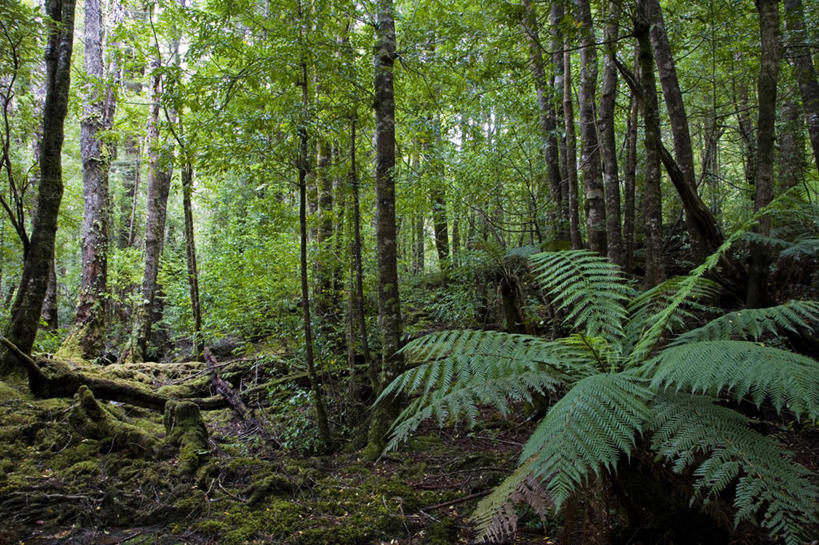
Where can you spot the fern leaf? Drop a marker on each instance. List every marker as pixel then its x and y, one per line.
pixel 586 431
pixel 768 482
pixel 742 370
pixel 753 323
pixel 589 286
pixel 495 515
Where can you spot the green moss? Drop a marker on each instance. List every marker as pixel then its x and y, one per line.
pixel 271 485
pixel 186 429
pixel 442 532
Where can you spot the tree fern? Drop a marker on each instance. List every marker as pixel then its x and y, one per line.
pixel 769 484
pixel 619 368
pixel 586 431
pixel 742 370
pixel 589 287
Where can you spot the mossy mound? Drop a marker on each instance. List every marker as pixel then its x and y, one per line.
pixel 186 429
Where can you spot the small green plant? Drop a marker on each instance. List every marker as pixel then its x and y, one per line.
pixel 292 415
pixel 623 380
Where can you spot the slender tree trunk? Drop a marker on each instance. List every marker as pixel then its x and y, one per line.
pixel 389 309
pixel 571 154
pixel 590 147
pixel 439 222
pixel 799 53
pixel 360 317
pixel 418 244
pixel 766 127
pixel 190 258
pixel 652 197
pixel 87 337
pixel 159 183
pixel 28 302
pixel 325 262
pixel 557 83
pixel 608 145
pixel 546 115
pixel 303 166
pixel 630 179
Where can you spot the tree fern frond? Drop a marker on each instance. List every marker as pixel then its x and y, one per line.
pixel 461 355
pixel 589 286
pixel 753 323
pixel 741 369
pixel 495 515
pixel 767 482
pixel 586 431
pixel 643 308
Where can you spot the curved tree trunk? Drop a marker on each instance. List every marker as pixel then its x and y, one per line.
pixel 702 227
pixel 28 302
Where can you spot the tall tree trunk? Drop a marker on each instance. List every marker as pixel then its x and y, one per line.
pixel 418 244
pixel 190 258
pixel 28 302
pixel 630 179
pixel 590 149
pixel 652 197
pixel 87 337
pixel 324 263
pixel 799 53
pixel 303 166
pixel 571 153
pixel 360 317
pixel 546 115
pixel 389 307
pixel 159 183
pixel 702 227
pixel 608 146
pixel 766 126
pixel 556 82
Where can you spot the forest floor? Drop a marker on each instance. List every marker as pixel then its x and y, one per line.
pixel 57 485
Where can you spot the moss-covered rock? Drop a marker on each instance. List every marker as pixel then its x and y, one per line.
pixel 186 429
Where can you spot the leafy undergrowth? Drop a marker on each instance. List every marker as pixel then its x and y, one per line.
pixel 58 486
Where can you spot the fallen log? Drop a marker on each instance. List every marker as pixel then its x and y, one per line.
pixel 50 378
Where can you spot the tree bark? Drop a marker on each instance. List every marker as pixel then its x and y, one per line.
pixel 791 140
pixel 799 53
pixel 590 148
pixel 652 196
pixel 571 154
pixel 28 302
pixel 608 146
pixel 766 127
pixel 389 308
pixel 546 115
pixel 87 337
pixel 49 312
